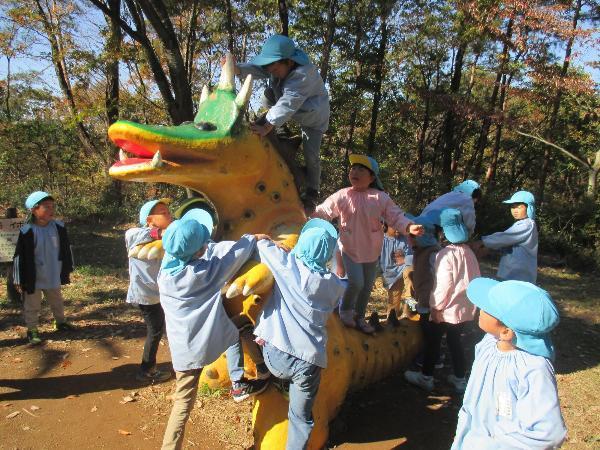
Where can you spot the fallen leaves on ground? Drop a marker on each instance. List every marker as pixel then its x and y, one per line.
pixel 13 414
pixel 124 432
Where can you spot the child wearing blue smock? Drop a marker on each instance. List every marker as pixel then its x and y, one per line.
pixel 511 401
pixel 296 92
pixel 292 326
pixel 42 263
pixel 190 281
pixel 519 243
pixel 395 263
pixel 154 218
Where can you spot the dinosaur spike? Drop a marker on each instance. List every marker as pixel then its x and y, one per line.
pixel 157 160
pixel 244 95
pixel 226 82
pixel 122 155
pixel 204 94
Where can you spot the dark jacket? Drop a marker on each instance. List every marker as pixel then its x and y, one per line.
pixel 24 259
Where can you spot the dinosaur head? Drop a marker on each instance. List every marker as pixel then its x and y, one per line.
pixel 241 173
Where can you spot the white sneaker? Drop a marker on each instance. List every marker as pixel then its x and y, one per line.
pixel 460 384
pixel 418 379
pixel 347 318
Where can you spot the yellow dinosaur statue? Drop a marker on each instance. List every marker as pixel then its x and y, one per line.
pixel 253 191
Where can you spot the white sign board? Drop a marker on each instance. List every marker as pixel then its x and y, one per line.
pixel 9 232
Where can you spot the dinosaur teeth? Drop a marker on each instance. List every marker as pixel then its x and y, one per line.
pixel 244 95
pixel 122 155
pixel 204 94
pixel 157 160
pixel 226 82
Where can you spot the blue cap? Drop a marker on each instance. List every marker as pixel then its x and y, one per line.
pixel 201 216
pixel 467 187
pixel 181 241
pixel 279 47
pixel 35 198
pixel 428 221
pixel 369 163
pixel 146 209
pixel 316 243
pixel 523 307
pixel 524 197
pixel 454 228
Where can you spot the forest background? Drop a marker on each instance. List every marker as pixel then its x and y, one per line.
pixel 437 91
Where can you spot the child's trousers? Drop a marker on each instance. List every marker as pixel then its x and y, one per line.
pixel 433 342
pixel 154 318
pixel 400 291
pixel 304 384
pixel 235 354
pixel 186 389
pixel 33 302
pixel 361 277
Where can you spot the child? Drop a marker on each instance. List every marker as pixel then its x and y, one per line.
pixel 511 400
pixel 296 91
pixel 395 263
pixel 455 266
pixel 292 326
pixel 519 244
pixel 190 281
pixel 42 263
pixel 360 209
pixel 154 218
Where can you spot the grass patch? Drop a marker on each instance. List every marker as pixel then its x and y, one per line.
pixel 204 390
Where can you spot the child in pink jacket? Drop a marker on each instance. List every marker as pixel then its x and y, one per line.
pixel 360 209
pixel 455 266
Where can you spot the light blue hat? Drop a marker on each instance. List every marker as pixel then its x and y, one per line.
pixel 316 244
pixel 523 307
pixel 524 197
pixel 181 241
pixel 279 47
pixel 146 209
pixel 428 221
pixel 201 216
pixel 467 187
pixel 36 197
pixel 454 228
pixel 369 163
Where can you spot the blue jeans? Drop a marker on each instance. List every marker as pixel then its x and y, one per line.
pixel 304 383
pixel 311 147
pixel 361 277
pixel 235 355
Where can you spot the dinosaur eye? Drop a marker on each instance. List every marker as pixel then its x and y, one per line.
pixel 275 196
pixel 261 187
pixel 206 126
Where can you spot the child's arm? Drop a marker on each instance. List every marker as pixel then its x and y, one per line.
pixel 328 210
pixel 517 233
pixel 295 93
pixel 395 217
pixel 228 257
pixel 443 285
pixel 18 263
pixel 537 413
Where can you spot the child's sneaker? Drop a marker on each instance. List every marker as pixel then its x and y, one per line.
pixel 418 379
pixel 283 386
pixel 262 372
pixel 460 384
pixel 412 303
pixel 243 389
pixel 152 376
pixel 33 337
pixel 347 318
pixel 63 326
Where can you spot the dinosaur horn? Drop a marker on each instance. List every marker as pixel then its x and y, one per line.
pixel 204 94
pixel 226 82
pixel 244 95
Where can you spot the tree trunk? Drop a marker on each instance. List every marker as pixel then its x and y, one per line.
pixel 332 9
pixel 379 70
pixel 7 97
pixel 283 16
pixel 229 26
pixel 550 132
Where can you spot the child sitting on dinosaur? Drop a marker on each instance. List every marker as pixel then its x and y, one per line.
pixel 292 326
pixel 296 92
pixel 193 272
pixel 154 218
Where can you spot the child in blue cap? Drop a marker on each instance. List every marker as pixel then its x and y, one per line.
pixel 296 92
pixel 511 399
pixel 193 272
pixel 449 308
pixel 292 326
pixel 154 218
pixel 42 263
pixel 519 243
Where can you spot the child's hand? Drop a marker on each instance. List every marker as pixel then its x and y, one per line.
pixel 261 237
pixel 261 130
pixel 282 246
pixel 416 230
pixel 436 316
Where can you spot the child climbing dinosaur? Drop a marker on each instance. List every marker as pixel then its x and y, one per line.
pixel 154 218
pixel 360 208
pixel 193 272
pixel 42 263
pixel 296 92
pixel 292 327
